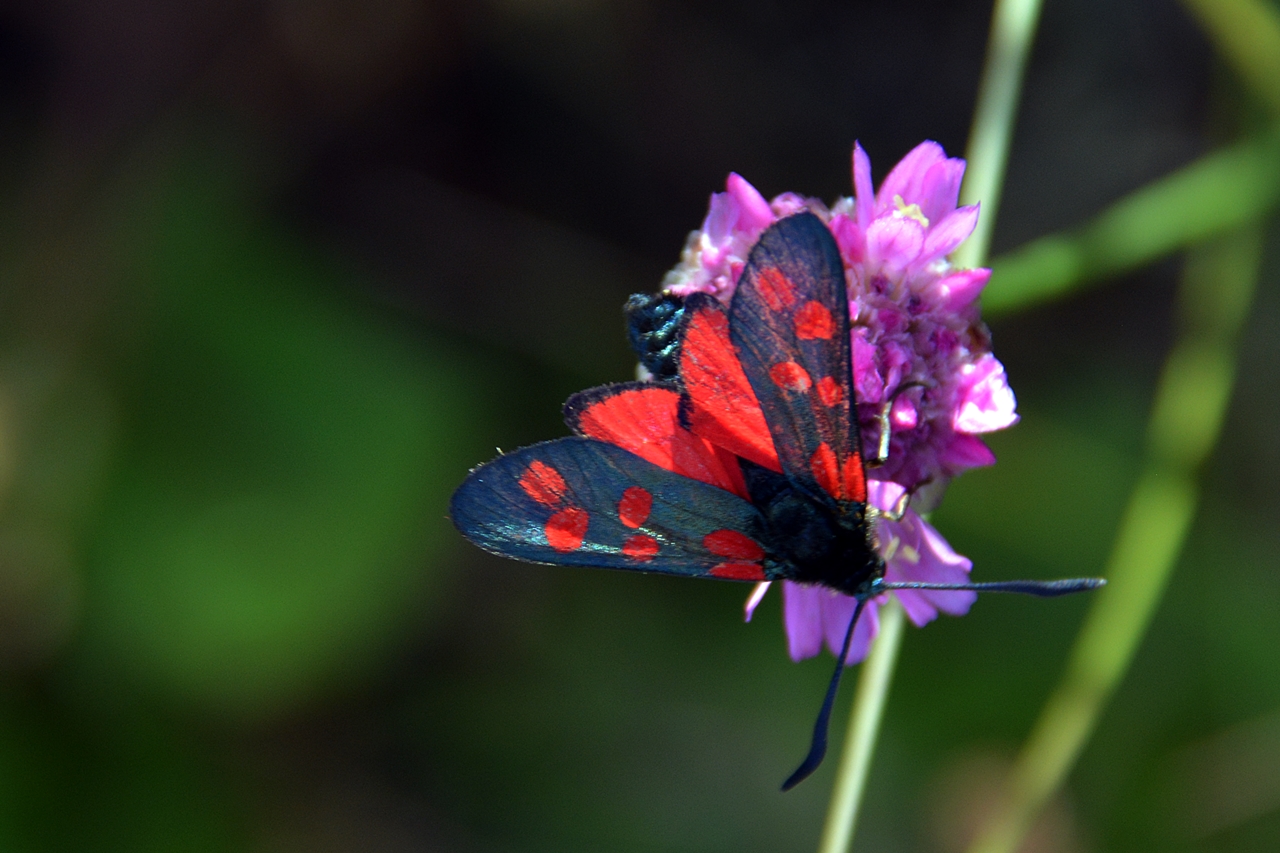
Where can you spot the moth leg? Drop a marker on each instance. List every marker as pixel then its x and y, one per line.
pixel 886 430
pixel 900 507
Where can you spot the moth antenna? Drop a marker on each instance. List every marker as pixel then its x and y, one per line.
pixel 818 749
pixel 1044 589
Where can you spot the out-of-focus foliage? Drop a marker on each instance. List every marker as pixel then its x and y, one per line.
pixel 279 468
pixel 1225 189
pixel 274 274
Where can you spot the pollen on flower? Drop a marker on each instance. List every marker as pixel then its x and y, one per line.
pixel 911 555
pixel 890 549
pixel 910 211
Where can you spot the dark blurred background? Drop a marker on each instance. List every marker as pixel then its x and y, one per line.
pixel 275 274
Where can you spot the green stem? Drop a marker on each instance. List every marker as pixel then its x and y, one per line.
pixel 1013 27
pixel 864 726
pixel 1221 191
pixel 1013 24
pixel 1191 401
pixel 1216 194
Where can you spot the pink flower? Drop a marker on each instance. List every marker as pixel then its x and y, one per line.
pixel 918 340
pixel 714 256
pixel 985 401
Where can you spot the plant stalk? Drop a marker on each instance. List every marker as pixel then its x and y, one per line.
pixel 864 726
pixel 1013 25
pixel 1190 405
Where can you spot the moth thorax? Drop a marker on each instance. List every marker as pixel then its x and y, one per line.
pixel 820 541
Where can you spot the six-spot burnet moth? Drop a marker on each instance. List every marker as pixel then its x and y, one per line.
pixel 741 460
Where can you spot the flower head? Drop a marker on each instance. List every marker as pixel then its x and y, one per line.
pixel 918 345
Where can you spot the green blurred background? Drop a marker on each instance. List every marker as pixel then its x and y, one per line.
pixel 275 273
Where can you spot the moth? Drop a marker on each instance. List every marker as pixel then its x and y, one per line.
pixel 740 461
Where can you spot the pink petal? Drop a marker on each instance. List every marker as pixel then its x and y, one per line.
pixel 907 179
pixel 753 600
pixel 946 566
pixel 940 189
pixel 893 242
pixel 721 219
pixel 892 320
pixel 837 610
pixel 986 401
pixel 788 204
pixel 849 238
pixel 927 497
pixel 904 414
pixel 864 195
pixel 964 452
pixel 884 494
pixel 958 290
pixel 895 361
pixel 949 232
pixel 802 619
pixel 921 554
pixel 813 614
pixel 754 213
pixel 866 375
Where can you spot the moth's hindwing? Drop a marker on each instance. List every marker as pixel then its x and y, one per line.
pixel 581 502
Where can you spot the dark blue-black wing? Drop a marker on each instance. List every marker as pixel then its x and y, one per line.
pixel 789 322
pixel 582 502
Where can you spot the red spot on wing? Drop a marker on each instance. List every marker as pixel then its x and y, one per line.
pixel 826 470
pixel 855 479
pixel 732 544
pixel 829 391
pixel 543 483
pixel 845 481
pixel 814 322
pixel 790 376
pixel 646 422
pixel 635 506
pixel 775 289
pixel 738 571
pixel 722 407
pixel 640 547
pixel 566 529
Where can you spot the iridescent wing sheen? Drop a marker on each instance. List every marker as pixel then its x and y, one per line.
pixel 581 502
